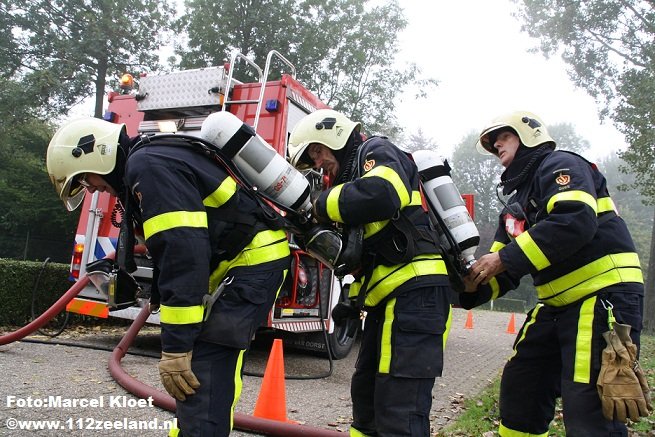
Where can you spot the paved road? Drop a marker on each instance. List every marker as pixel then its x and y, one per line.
pixel 32 372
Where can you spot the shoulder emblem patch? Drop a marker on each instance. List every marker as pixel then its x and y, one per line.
pixel 369 164
pixel 563 179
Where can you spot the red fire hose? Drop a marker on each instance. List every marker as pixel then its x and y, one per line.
pixel 163 400
pixel 44 318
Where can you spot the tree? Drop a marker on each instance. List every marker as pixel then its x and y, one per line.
pixel 478 174
pixel 67 49
pixel 609 46
pixel 344 50
pixel 630 204
pixel 216 28
pixel 417 141
pixel 28 204
pixel 567 138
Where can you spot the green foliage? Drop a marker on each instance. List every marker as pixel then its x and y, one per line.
pixel 478 174
pixel 253 27
pixel 416 141
pixel 610 48
pixel 28 204
pixel 636 113
pixel 67 49
pixel 17 279
pixel 630 204
pixel 567 138
pixel 480 415
pixel 344 50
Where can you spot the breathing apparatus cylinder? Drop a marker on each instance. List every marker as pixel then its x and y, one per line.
pixel 275 179
pixel 261 166
pixel 448 212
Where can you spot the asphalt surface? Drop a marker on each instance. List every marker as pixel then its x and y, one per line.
pixel 70 387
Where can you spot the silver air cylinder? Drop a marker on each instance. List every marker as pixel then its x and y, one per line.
pixel 444 200
pixel 259 163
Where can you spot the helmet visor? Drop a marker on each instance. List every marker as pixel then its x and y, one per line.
pixel 72 194
pixel 301 160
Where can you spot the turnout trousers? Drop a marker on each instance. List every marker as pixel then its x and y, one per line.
pixel 218 355
pixel 401 353
pixel 557 353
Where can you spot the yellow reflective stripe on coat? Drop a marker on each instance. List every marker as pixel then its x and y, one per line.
pixel 496 246
pixel 532 251
pixel 389 175
pixel 495 288
pixel 181 315
pixel 264 247
pixel 353 289
pixel 373 228
pixel 575 195
pixel 332 204
pixel 222 194
pixel 385 339
pixel 386 279
pixel 606 204
pixel 504 431
pixel 603 272
pixel 174 219
pixel 582 363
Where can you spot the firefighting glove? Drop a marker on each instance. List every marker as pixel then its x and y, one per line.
pixel 620 392
pixel 623 332
pixel 176 375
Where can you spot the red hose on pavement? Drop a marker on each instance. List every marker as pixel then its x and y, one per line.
pixel 56 308
pixel 44 318
pixel 163 400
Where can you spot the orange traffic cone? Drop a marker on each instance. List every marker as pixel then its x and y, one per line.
pixel 272 403
pixel 510 326
pixel 469 320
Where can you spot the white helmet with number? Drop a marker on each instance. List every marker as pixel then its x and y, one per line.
pixel 325 126
pixel 83 145
pixel 531 131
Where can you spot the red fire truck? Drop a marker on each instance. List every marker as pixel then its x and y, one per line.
pixel 179 102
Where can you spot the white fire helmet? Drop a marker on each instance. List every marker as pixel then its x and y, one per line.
pixel 83 145
pixel 531 131
pixel 325 126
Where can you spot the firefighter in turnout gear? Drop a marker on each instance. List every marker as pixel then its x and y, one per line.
pixel 218 263
pixel 559 225
pixel 401 287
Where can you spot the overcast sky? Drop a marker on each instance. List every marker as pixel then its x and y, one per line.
pixel 476 50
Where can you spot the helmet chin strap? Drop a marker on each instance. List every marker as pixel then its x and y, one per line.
pixel 115 177
pixel 346 157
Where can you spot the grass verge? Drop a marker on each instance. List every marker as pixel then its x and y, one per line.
pixel 481 414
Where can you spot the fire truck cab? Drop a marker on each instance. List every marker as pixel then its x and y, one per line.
pixel 178 102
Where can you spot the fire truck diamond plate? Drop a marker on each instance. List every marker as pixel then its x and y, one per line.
pixel 190 88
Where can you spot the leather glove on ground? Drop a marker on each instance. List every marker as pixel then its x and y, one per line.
pixel 623 332
pixel 618 386
pixel 176 375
